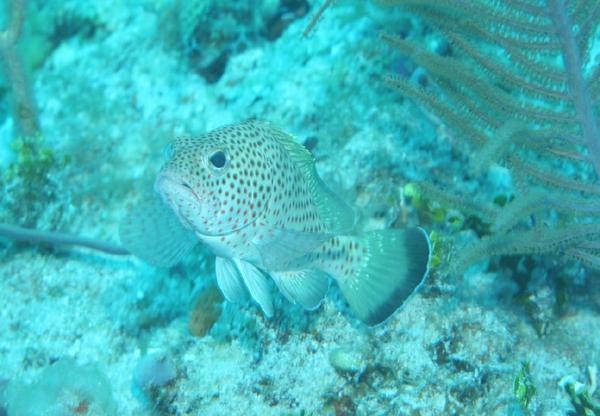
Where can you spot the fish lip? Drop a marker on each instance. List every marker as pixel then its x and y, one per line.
pixel 170 180
pixel 174 180
pixel 165 180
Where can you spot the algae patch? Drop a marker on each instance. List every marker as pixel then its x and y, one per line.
pixel 63 388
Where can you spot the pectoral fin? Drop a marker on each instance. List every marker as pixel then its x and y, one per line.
pixel 152 232
pixel 283 246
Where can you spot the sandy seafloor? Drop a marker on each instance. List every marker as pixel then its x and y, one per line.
pixel 112 101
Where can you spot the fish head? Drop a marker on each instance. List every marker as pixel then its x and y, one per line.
pixel 220 182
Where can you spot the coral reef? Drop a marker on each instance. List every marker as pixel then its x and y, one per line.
pixel 115 82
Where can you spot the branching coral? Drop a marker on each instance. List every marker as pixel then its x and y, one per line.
pixel 24 108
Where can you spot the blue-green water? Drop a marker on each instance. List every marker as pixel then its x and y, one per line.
pixel 493 157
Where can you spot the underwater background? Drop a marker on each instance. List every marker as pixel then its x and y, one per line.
pixel 476 120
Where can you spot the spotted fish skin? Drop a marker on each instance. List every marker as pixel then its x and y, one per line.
pixel 251 193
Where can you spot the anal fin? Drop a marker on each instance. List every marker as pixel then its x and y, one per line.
pixel 306 287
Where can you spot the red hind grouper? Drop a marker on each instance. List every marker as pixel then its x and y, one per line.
pixel 251 193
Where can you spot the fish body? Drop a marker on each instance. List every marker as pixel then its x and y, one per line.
pixel 251 193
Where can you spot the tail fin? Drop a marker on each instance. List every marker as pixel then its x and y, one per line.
pixel 394 265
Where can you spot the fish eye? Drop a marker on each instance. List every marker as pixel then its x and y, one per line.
pixel 218 159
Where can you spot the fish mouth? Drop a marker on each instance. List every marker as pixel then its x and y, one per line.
pixel 177 194
pixel 167 184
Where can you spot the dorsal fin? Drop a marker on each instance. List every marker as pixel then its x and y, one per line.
pixel 338 216
pixel 297 151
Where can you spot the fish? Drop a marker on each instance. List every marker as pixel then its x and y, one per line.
pixel 251 193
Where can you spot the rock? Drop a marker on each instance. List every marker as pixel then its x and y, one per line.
pixel 206 310
pixel 347 360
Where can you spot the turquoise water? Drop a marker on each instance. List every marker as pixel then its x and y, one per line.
pixel 487 145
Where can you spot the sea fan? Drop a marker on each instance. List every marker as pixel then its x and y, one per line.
pixel 520 89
